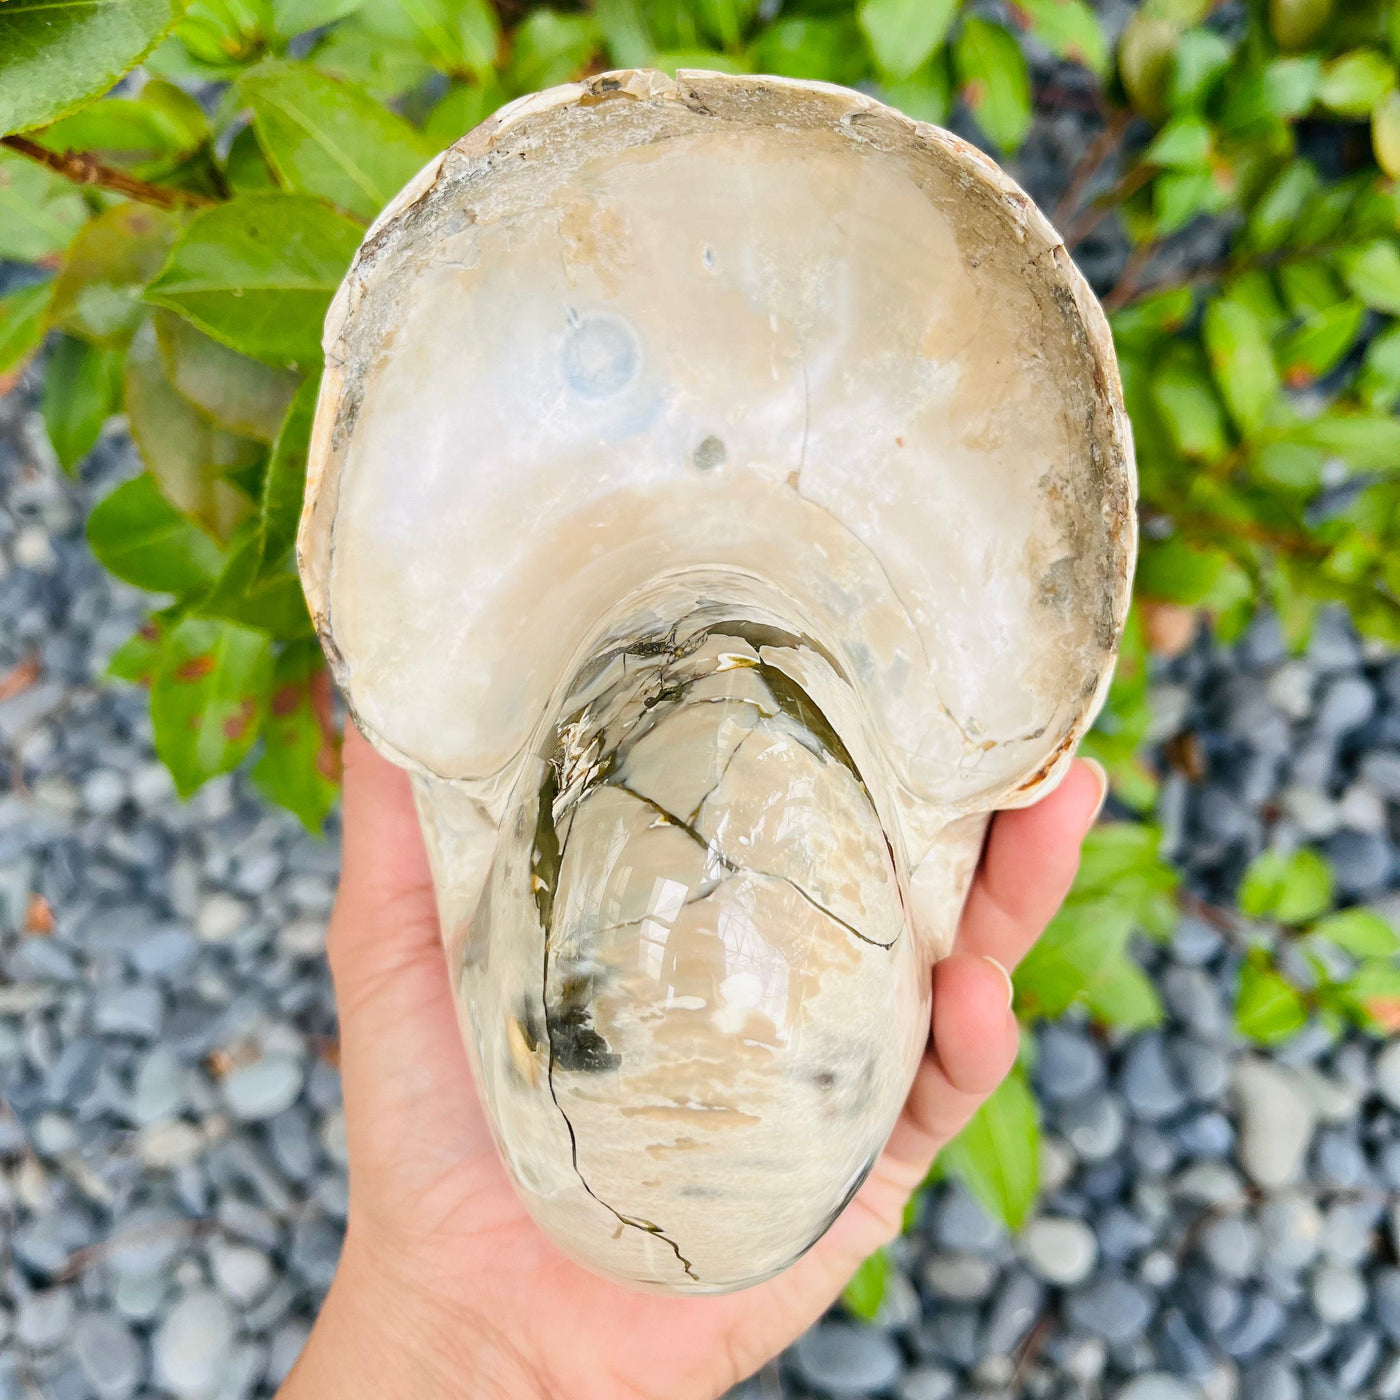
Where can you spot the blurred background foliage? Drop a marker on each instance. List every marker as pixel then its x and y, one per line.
pixel 182 234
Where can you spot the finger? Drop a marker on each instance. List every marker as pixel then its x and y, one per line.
pixel 1028 866
pixel 385 908
pixel 973 1045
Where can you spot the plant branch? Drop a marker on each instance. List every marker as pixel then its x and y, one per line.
pixel 1097 151
pixel 1130 184
pixel 84 168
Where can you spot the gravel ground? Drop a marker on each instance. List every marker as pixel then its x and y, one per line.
pixel 172 1160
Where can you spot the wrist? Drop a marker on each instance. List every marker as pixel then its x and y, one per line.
pixel 379 1337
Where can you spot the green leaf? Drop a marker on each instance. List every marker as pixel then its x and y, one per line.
pixel 1242 362
pixel 137 657
pixel 258 272
pixel 300 763
pixel 139 536
pixel 292 17
pixel 57 54
pixel 902 34
pixel 243 396
pixel 1068 28
pixel 1083 939
pixel 1269 1008
pixel 1289 85
pixel 79 396
pixel 269 600
pixel 1372 996
pixel 1296 23
pixel 1319 343
pixel 808 46
pixel 1309 286
pixel 997 1156
pixel 1178 196
pixel 1288 888
pixel 285 482
pixel 1280 206
pixel 326 138
pixel 222 34
pixel 994 81
pixel 866 1289
pixel 208 698
pixel 1365 441
pixel 97 293
pixel 1122 995
pixel 1185 397
pixel 185 453
pixel 156 129
pixel 246 169
pixel 1146 58
pixel 1194 575
pixel 1352 83
pixel 40 211
pixel 1373 273
pixel 927 96
pixel 1385 134
pixel 458 36
pixel 1200 57
pixel 1185 143
pixel 1379 384
pixel 624 29
pixel 1359 932
pixel 461 108
pixel 549 48
pixel 22 316
pixel 387 66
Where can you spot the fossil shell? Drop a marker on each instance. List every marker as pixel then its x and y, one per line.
pixel 721 501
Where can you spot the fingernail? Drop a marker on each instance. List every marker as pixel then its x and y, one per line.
pixel 1101 773
pixel 1005 977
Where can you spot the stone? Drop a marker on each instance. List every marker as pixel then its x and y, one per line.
pixel 136 1011
pixel 1061 1250
pixel 841 1360
pixel 1381 769
pixel 1181 1348
pixel 1290 689
pixel 957 1220
pixel 192 1344
pixel 1276 1123
pixel 1148 1080
pixel 1346 703
pixel 1355 1359
pixel 263 1088
pixel 1271 1379
pixel 1362 862
pixel 1092 1126
pixel 1387 1072
pixel 1385 1300
pixel 1206 1134
pixel 1290 1230
pixel 1204 1069
pixel 962 1277
pixel 1068 1064
pixel 286 1345
pixel 1339 1294
pixel 1111 1307
pixel 1231 1245
pixel 220 917
pixel 1259 1323
pixel 45 1318
pixel 927 1383
pixel 1193 997
pixel 1339 1161
pixel 244 1273
pixel 1013 1312
pixel 1157 1385
pixel 109 1354
pixel 159 1090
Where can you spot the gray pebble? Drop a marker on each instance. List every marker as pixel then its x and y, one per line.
pixel 109 1354
pixel 1093 1126
pixel 1231 1245
pixel 1061 1250
pixel 1271 1379
pixel 1111 1307
pixel 193 1342
pixel 1385 1302
pixel 1346 703
pixel 1339 1294
pixel 961 1277
pixel 957 1220
pixel 843 1360
pixel 264 1088
pixel 1157 1385
pixel 45 1318
pixel 1148 1080
pixel 927 1383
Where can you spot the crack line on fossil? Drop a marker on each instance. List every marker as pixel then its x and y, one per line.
pixel 733 866
pixel 645 1226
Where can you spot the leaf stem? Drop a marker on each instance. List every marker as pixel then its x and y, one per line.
pixel 1097 151
pixel 84 168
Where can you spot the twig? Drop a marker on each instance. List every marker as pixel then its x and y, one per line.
pixel 1097 151
pixel 1122 290
pixel 84 168
pixel 1129 185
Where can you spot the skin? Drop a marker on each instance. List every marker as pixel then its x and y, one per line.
pixel 447 1289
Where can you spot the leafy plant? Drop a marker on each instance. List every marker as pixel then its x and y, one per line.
pixel 187 229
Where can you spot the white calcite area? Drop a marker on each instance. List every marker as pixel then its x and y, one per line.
pixel 721 501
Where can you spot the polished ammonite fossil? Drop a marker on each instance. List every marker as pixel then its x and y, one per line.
pixel 720 502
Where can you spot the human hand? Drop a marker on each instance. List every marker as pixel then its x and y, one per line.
pixel 447 1288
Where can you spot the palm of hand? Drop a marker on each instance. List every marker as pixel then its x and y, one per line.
pixel 441 1254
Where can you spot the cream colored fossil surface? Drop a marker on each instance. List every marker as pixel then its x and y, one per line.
pixel 721 502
